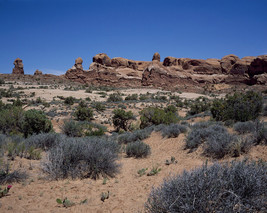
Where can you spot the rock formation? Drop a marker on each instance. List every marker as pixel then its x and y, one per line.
pixel 18 69
pixel 172 72
pixel 156 57
pixel 38 72
pixel 78 63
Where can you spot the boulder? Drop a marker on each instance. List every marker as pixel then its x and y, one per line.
pixel 258 66
pixel 209 66
pixel 38 72
pixel 103 59
pixel 156 57
pixel 18 69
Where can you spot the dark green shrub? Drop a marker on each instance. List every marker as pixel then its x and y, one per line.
pixel 84 113
pixel 233 187
pixel 35 122
pixel 72 128
pixel 114 97
pixel 82 158
pixel 121 119
pixel 82 128
pixel 11 120
pixel 133 97
pixel 137 149
pixel 98 106
pixel 201 104
pixel 69 100
pixel 239 107
pixel 155 116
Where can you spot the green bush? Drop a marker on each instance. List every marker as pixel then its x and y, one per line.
pixel 69 100
pixel 11 120
pixel 137 149
pixel 238 107
pixel 83 113
pixel 155 116
pixel 35 122
pixel 201 104
pixel 98 106
pixel 82 128
pixel 133 97
pixel 121 119
pixel 114 97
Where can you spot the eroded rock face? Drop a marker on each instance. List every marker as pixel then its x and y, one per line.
pixel 78 63
pixel 38 72
pixel 172 73
pixel 18 69
pixel 258 66
pixel 103 59
pixel 156 57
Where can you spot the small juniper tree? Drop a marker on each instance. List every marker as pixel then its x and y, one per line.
pixel 121 119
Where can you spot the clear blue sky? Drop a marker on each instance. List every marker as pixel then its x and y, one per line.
pixel 49 34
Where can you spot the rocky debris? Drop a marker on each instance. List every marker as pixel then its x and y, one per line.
pixel 103 59
pixel 78 63
pixel 258 66
pixel 38 72
pixel 156 57
pixel 18 69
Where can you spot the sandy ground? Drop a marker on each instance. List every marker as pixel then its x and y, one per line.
pixel 128 191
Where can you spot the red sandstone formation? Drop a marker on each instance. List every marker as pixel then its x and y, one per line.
pixel 18 69
pixel 171 73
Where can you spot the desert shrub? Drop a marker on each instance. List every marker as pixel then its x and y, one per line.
pixel 71 128
pixel 83 113
pixel 137 149
pixel 201 104
pixel 7 176
pixel 2 81
pixel 44 141
pixel 121 119
pixel 133 97
pixel 129 137
pixel 173 130
pixel 239 107
pixel 81 158
pixel 114 97
pixel 35 122
pixel 98 106
pixel 244 127
pixel 170 108
pixel 155 116
pixel 11 120
pixel 82 128
pixel 69 100
pixel 143 97
pixel 233 187
pixel 200 132
pixel 218 143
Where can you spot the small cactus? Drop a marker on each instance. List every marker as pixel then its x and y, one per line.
pixel 104 196
pixel 5 191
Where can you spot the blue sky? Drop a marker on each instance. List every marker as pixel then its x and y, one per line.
pixel 49 34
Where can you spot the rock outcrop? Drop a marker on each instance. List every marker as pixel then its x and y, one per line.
pixel 18 69
pixel 38 72
pixel 172 72
pixel 79 63
pixel 258 66
pixel 156 57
